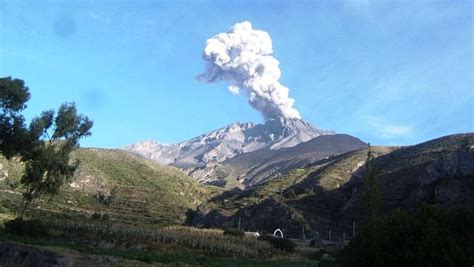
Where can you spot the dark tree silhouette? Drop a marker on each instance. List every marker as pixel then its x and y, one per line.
pixel 372 199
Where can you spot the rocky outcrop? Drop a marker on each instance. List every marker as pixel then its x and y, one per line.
pixel 435 186
pixel 439 171
pixel 22 255
pixel 3 173
pixel 13 254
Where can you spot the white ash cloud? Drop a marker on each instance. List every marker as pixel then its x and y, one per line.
pixel 243 57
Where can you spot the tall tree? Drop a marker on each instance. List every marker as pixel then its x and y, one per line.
pixel 45 146
pixel 372 197
pixel 48 163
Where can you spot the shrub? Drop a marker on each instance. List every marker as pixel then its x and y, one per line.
pixel 31 228
pixel 105 199
pixel 234 232
pixel 284 244
pixel 9 204
pixel 105 217
pixel 99 216
pixel 96 216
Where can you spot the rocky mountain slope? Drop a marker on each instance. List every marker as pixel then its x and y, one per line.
pixel 327 195
pixel 113 182
pixel 258 166
pixel 207 150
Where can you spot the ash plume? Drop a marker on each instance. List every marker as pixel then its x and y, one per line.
pixel 243 57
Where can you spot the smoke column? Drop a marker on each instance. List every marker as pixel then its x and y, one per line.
pixel 243 57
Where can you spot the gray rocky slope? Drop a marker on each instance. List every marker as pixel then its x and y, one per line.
pixel 254 168
pixel 207 150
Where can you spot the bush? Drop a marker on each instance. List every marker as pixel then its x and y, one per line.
pixel 433 236
pixel 105 217
pixel 96 216
pixel 4 210
pixel 31 228
pixel 100 216
pixel 105 199
pixel 9 205
pixel 234 232
pixel 280 243
pixel 327 261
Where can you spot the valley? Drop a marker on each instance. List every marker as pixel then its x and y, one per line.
pixel 311 191
pixel 236 133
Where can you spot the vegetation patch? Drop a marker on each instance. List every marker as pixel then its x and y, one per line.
pixel 234 232
pixel 433 236
pixel 280 243
pixel 21 227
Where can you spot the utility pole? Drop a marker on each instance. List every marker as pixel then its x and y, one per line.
pixel 240 220
pixel 353 229
pixel 303 235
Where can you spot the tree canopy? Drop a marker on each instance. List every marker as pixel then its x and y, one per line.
pixel 431 236
pixel 45 145
pixel 13 133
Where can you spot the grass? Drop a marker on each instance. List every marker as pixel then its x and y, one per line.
pixel 176 258
pixel 168 245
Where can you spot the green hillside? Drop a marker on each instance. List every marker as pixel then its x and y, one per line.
pixel 122 210
pixel 115 185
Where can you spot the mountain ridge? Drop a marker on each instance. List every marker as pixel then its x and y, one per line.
pixel 261 165
pixel 227 142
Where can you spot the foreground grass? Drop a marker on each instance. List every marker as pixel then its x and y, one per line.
pixel 153 257
pixel 153 244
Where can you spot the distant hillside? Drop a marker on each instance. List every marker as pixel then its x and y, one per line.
pixel 113 182
pixel 438 171
pixel 327 195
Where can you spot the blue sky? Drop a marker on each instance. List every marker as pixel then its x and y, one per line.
pixel 388 72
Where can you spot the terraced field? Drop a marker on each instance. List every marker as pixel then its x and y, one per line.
pixel 115 185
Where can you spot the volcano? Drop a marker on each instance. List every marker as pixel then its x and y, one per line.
pixel 228 142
